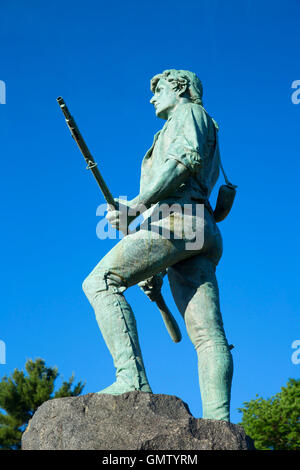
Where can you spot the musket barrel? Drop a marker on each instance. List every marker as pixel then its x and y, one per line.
pixel 91 164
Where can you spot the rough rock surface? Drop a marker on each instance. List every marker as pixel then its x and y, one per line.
pixel 132 421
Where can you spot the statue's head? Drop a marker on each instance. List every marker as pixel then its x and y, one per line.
pixel 174 86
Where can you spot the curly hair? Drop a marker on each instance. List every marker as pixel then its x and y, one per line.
pixel 179 80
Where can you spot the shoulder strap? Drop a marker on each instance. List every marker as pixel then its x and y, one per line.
pixel 221 166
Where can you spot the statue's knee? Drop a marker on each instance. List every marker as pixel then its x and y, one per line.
pixel 204 327
pixel 88 288
pixel 102 280
pixel 194 327
pixel 85 285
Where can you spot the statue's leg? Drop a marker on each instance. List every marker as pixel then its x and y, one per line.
pixel 134 258
pixel 118 327
pixel 195 291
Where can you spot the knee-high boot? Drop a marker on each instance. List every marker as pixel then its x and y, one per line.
pixel 215 368
pixel 215 365
pixel 118 327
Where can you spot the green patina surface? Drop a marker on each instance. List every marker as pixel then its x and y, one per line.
pixel 181 167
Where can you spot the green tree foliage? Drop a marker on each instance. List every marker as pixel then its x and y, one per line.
pixel 274 424
pixel 21 395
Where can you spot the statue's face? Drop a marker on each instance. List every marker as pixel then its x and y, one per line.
pixel 164 99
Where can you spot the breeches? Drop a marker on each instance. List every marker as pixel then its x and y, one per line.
pixel 191 275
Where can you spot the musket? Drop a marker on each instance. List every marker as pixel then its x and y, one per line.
pixel 167 316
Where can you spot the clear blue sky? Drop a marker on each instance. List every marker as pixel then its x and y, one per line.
pixel 100 56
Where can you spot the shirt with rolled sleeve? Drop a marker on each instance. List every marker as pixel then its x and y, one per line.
pixel 189 137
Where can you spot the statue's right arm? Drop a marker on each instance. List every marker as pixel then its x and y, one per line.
pixel 171 176
pixel 183 159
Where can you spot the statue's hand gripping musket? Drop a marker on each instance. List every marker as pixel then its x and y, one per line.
pixel 167 316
